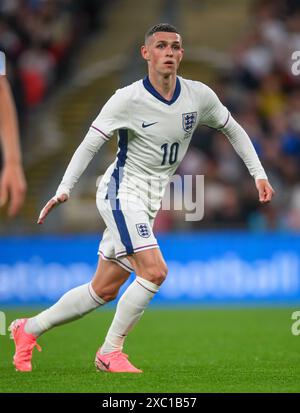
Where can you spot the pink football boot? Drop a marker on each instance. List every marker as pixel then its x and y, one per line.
pixel 24 344
pixel 115 362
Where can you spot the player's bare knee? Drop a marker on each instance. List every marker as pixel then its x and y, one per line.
pixel 156 274
pixel 164 272
pixel 107 294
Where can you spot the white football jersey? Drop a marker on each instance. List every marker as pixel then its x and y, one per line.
pixel 154 135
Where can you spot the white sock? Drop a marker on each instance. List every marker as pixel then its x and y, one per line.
pixel 71 306
pixel 129 310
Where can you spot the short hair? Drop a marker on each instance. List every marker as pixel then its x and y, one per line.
pixel 161 27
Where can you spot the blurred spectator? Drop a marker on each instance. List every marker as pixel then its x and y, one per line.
pixel 38 38
pixel 36 66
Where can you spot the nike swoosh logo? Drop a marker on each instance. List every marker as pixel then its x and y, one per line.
pixel 104 364
pixel 146 125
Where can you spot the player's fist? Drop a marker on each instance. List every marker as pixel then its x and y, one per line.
pixel 56 200
pixel 265 190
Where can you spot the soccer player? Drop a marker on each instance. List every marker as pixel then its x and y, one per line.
pixel 155 118
pixel 12 180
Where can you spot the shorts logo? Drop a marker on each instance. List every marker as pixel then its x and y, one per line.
pixel 143 230
pixel 189 121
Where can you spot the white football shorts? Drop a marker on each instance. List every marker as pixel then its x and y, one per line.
pixel 129 230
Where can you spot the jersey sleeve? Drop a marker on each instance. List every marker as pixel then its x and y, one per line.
pixel 113 115
pixel 80 160
pixel 243 146
pixel 213 113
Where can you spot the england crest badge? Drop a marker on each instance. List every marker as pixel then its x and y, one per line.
pixel 143 230
pixel 189 121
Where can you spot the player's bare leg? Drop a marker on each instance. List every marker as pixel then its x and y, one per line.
pixel 108 279
pixel 151 271
pixel 72 305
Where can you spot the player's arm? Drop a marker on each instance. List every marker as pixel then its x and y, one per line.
pixel 79 162
pixel 113 116
pixel 242 144
pixel 12 179
pixel 218 117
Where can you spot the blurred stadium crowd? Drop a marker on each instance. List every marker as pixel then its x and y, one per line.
pixel 39 38
pixel 263 95
pixel 260 90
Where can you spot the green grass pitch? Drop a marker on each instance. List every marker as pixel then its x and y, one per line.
pixel 180 350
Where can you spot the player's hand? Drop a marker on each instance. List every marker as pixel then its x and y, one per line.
pixel 265 190
pixel 12 188
pixel 56 200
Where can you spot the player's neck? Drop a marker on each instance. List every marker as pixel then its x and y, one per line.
pixel 165 86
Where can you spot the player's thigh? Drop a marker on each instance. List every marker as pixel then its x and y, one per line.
pixel 108 279
pixel 149 264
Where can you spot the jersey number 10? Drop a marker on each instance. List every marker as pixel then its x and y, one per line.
pixel 172 153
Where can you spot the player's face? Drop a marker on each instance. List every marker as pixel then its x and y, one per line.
pixel 164 52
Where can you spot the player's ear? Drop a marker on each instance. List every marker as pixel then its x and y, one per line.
pixel 182 53
pixel 145 53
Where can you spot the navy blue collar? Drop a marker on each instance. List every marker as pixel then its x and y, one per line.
pixel 147 84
